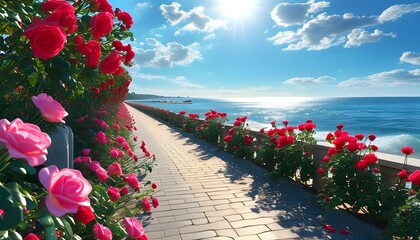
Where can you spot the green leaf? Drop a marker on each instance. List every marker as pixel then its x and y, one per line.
pixel 32 79
pixel 47 220
pixel 101 191
pixel 50 233
pixel 16 194
pixel 14 235
pixel 68 229
pixel 13 214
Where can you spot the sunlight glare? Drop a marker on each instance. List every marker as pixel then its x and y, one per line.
pixel 236 8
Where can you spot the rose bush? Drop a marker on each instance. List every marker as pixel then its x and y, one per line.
pixel 60 55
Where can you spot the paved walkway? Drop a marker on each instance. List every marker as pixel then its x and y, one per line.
pixel 205 193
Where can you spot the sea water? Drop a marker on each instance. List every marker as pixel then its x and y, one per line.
pixel 394 120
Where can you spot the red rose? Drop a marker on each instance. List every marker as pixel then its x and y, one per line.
pixel 102 5
pixel 340 126
pixel 374 147
pixel 407 150
pixel 352 147
pixel 128 57
pixel 47 39
pixel 361 165
pixel 53 5
pixel 101 24
pixel 372 137
pixel 325 159
pixel 117 44
pixel 402 174
pixel 285 122
pixel 329 137
pixel 376 170
pixel 92 51
pixel 111 64
pixel 84 214
pixel 155 202
pixel 126 18
pixel 320 171
pixel 370 158
pixel 415 177
pixel 332 151
pixel 65 18
pixel 359 136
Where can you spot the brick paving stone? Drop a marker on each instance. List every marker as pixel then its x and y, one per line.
pixel 215 219
pixel 226 233
pixel 247 223
pixel 185 205
pixel 200 209
pixel 279 234
pixel 252 230
pixel 200 221
pixel 205 193
pixel 198 235
pixel 250 237
pixel 213 202
pixel 190 216
pixel 222 207
pixel 235 217
pixel 166 219
pixel 171 232
pixel 202 227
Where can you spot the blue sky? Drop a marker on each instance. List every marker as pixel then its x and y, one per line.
pixel 251 48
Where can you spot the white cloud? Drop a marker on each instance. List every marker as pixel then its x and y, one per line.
pixel 358 37
pixel 168 55
pixel 322 32
pixel 143 5
pixel 325 31
pixel 396 77
pixel 210 36
pixel 410 57
pixel 287 14
pixel 195 19
pixel 304 81
pixel 172 13
pixel 181 81
pixel 396 11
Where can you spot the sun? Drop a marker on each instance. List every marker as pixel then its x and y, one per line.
pixel 236 9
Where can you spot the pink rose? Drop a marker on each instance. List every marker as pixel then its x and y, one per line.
pixel 132 180
pixel 94 165
pixel 25 140
pixel 115 169
pixel 67 189
pixel 101 232
pixel 146 205
pixel 102 174
pixel 133 227
pixel 86 151
pixel 51 110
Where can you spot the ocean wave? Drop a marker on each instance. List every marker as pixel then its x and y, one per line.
pixel 389 144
